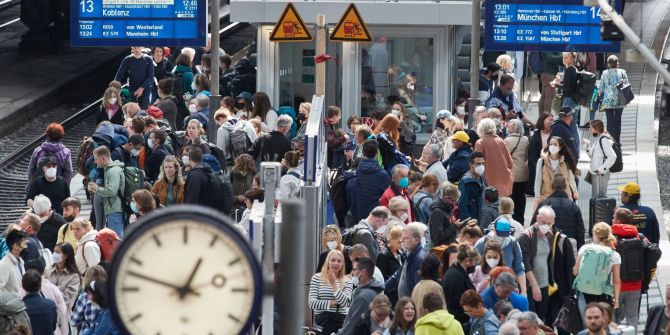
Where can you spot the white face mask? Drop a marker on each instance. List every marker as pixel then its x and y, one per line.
pixel 492 262
pixel 191 109
pixel 403 217
pixel 502 240
pixel 134 152
pixel 355 281
pixel 193 86
pixel 331 245
pixel 111 101
pixel 395 112
pixel 184 159
pixel 544 228
pixel 479 169
pixel 460 110
pixel 56 257
pixel 554 149
pixel 150 143
pixel 50 172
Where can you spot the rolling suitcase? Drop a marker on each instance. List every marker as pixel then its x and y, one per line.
pixel 601 209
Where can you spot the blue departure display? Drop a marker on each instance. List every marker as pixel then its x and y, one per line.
pixel 537 25
pixel 138 23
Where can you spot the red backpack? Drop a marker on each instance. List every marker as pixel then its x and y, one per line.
pixel 624 230
pixel 107 240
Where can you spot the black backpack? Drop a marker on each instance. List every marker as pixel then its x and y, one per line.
pixel 221 193
pixel 651 253
pixel 218 154
pixel 349 235
pixel 632 258
pixel 338 192
pixel 618 163
pixel 178 92
pixel 586 83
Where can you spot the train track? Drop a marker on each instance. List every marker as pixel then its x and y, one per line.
pixel 15 156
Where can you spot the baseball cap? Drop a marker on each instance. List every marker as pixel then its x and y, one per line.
pixel 461 136
pixel 630 188
pixel 445 114
pixel 492 67
pixel 245 95
pixel 46 160
pixel 565 112
pixel 502 228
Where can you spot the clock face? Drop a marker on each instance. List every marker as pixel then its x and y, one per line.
pixel 184 276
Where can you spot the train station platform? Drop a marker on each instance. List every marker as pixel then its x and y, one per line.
pixel 638 137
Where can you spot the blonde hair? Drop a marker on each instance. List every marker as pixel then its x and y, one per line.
pixel 330 229
pixel 395 232
pixel 324 269
pixel 397 203
pixel 84 223
pixel 198 126
pixel 381 301
pixel 307 106
pixel 94 273
pixel 505 61
pixel 506 205
pixel 179 179
pixel 603 232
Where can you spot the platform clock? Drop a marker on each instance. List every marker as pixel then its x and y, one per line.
pixel 185 270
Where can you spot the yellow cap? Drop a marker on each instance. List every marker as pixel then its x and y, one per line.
pixel 461 136
pixel 630 188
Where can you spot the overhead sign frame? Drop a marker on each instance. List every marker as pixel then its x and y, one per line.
pixel 545 25
pixel 350 26
pixel 290 27
pixel 97 23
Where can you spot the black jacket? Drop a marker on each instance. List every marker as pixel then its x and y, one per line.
pixel 42 313
pixel 654 318
pixel 561 129
pixel 198 185
pixel 48 233
pixel 154 162
pixel 271 147
pixel 560 271
pixel 442 230
pixel 568 216
pixel 456 282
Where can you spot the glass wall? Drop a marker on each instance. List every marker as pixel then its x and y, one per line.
pixel 399 68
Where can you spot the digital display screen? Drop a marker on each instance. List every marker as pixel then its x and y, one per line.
pixel 138 22
pixel 536 25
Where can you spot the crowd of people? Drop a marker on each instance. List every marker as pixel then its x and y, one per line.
pixel 431 245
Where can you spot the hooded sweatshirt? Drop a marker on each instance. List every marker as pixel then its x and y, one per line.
pixel 360 304
pixel 437 323
pixel 115 182
pixel 223 134
pixel 442 230
pixel 60 152
pixel 12 304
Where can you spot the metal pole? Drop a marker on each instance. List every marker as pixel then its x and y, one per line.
pixel 270 174
pixel 635 40
pixel 291 288
pixel 215 98
pixel 473 101
pixel 320 50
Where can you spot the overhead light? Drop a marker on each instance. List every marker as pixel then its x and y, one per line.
pixel 590 3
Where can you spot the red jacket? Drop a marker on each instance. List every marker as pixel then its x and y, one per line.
pixel 392 191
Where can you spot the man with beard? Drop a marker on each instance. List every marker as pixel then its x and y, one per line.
pixel 594 319
pixel 71 208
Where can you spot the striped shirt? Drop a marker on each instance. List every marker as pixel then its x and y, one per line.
pixel 321 293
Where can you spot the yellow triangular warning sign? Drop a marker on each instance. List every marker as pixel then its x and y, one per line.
pixel 351 27
pixel 290 27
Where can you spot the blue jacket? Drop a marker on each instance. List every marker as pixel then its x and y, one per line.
pixel 512 254
pixel 422 201
pixel 458 163
pixel 103 324
pixel 472 196
pixel 645 220
pixel 364 191
pixel 517 300
pixel 140 72
pixel 489 323
pixel 42 314
pixel 412 267
pixel 561 129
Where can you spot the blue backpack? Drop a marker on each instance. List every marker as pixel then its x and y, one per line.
pixel 288 110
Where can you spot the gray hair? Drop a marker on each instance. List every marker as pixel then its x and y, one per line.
pixel 284 121
pixel 486 127
pixel 41 204
pixel 516 126
pixel 546 210
pixel 202 101
pixel 436 151
pixel 396 169
pixel 380 212
pixel 505 279
pixel 509 328
pixel 412 229
pixel 480 110
pixel 530 317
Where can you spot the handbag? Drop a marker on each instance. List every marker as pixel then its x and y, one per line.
pixel 553 287
pixel 589 177
pixel 568 317
pixel 624 92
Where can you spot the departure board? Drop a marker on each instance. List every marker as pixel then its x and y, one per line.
pixel 539 25
pixel 138 22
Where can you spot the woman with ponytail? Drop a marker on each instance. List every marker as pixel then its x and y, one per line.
pixel 597 268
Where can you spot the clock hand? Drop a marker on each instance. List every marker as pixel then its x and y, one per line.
pixel 156 281
pixel 187 287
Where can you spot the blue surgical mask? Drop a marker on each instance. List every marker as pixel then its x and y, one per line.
pixel 403 182
pixel 133 207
